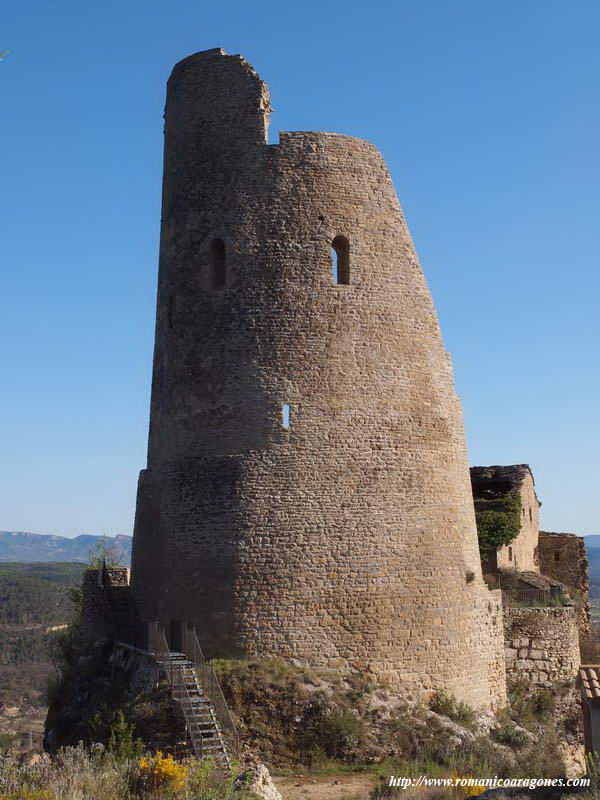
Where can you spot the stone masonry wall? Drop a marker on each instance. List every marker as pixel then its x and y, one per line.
pixel 563 557
pixel 96 617
pixel 347 539
pixel 542 644
pixel 522 553
pixel 100 616
pixel 491 616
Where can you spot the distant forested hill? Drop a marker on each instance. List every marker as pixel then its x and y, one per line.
pixel 20 546
pixel 33 594
pixel 593 554
pixel 34 599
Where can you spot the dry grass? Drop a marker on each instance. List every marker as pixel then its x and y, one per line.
pixel 78 773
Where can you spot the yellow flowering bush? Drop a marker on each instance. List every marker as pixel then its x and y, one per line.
pixel 162 772
pixel 29 794
pixel 472 791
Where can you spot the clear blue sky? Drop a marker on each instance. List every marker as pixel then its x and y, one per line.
pixel 488 115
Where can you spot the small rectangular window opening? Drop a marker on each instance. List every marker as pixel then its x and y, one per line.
pixel 557 555
pixel 530 516
pixel 510 553
pixel 285 415
pixel 340 260
pixel 334 265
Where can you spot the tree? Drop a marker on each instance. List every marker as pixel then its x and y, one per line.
pixel 105 551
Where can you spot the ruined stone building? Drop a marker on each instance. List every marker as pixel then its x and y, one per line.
pixel 541 559
pixel 545 581
pixel 307 491
pixel 491 483
pixel 563 557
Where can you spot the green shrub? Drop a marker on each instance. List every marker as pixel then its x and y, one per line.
pixel 499 524
pixel 509 734
pixel 542 758
pixel 543 702
pixel 448 706
pixel 529 705
pixel 8 741
pixel 333 735
pixel 360 686
pixel 121 743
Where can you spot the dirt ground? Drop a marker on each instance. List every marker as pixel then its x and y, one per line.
pixel 355 786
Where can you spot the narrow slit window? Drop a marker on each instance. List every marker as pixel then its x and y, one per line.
pixel 217 264
pixel 557 555
pixel 530 516
pixel 285 415
pixel 510 553
pixel 340 261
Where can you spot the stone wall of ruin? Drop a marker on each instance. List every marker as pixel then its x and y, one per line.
pixel 96 616
pixel 563 557
pixel 522 553
pixel 542 644
pixel 348 539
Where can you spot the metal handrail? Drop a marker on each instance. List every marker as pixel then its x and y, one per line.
pixel 158 645
pixel 179 691
pixel 211 686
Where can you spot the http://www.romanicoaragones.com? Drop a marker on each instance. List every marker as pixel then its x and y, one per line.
pixel 401 782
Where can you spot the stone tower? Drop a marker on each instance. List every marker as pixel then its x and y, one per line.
pixel 307 492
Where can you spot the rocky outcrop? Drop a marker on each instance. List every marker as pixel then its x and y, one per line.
pixel 99 682
pixel 257 779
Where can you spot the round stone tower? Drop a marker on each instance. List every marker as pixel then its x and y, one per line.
pixel 307 493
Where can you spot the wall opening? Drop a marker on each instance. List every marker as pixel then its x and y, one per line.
pixel 285 415
pixel 510 553
pixel 530 516
pixel 217 264
pixel 340 260
pixel 557 555
pixel 176 634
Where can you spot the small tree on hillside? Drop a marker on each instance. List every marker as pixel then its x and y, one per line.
pixel 106 551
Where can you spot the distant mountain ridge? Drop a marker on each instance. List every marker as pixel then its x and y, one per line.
pixel 32 547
